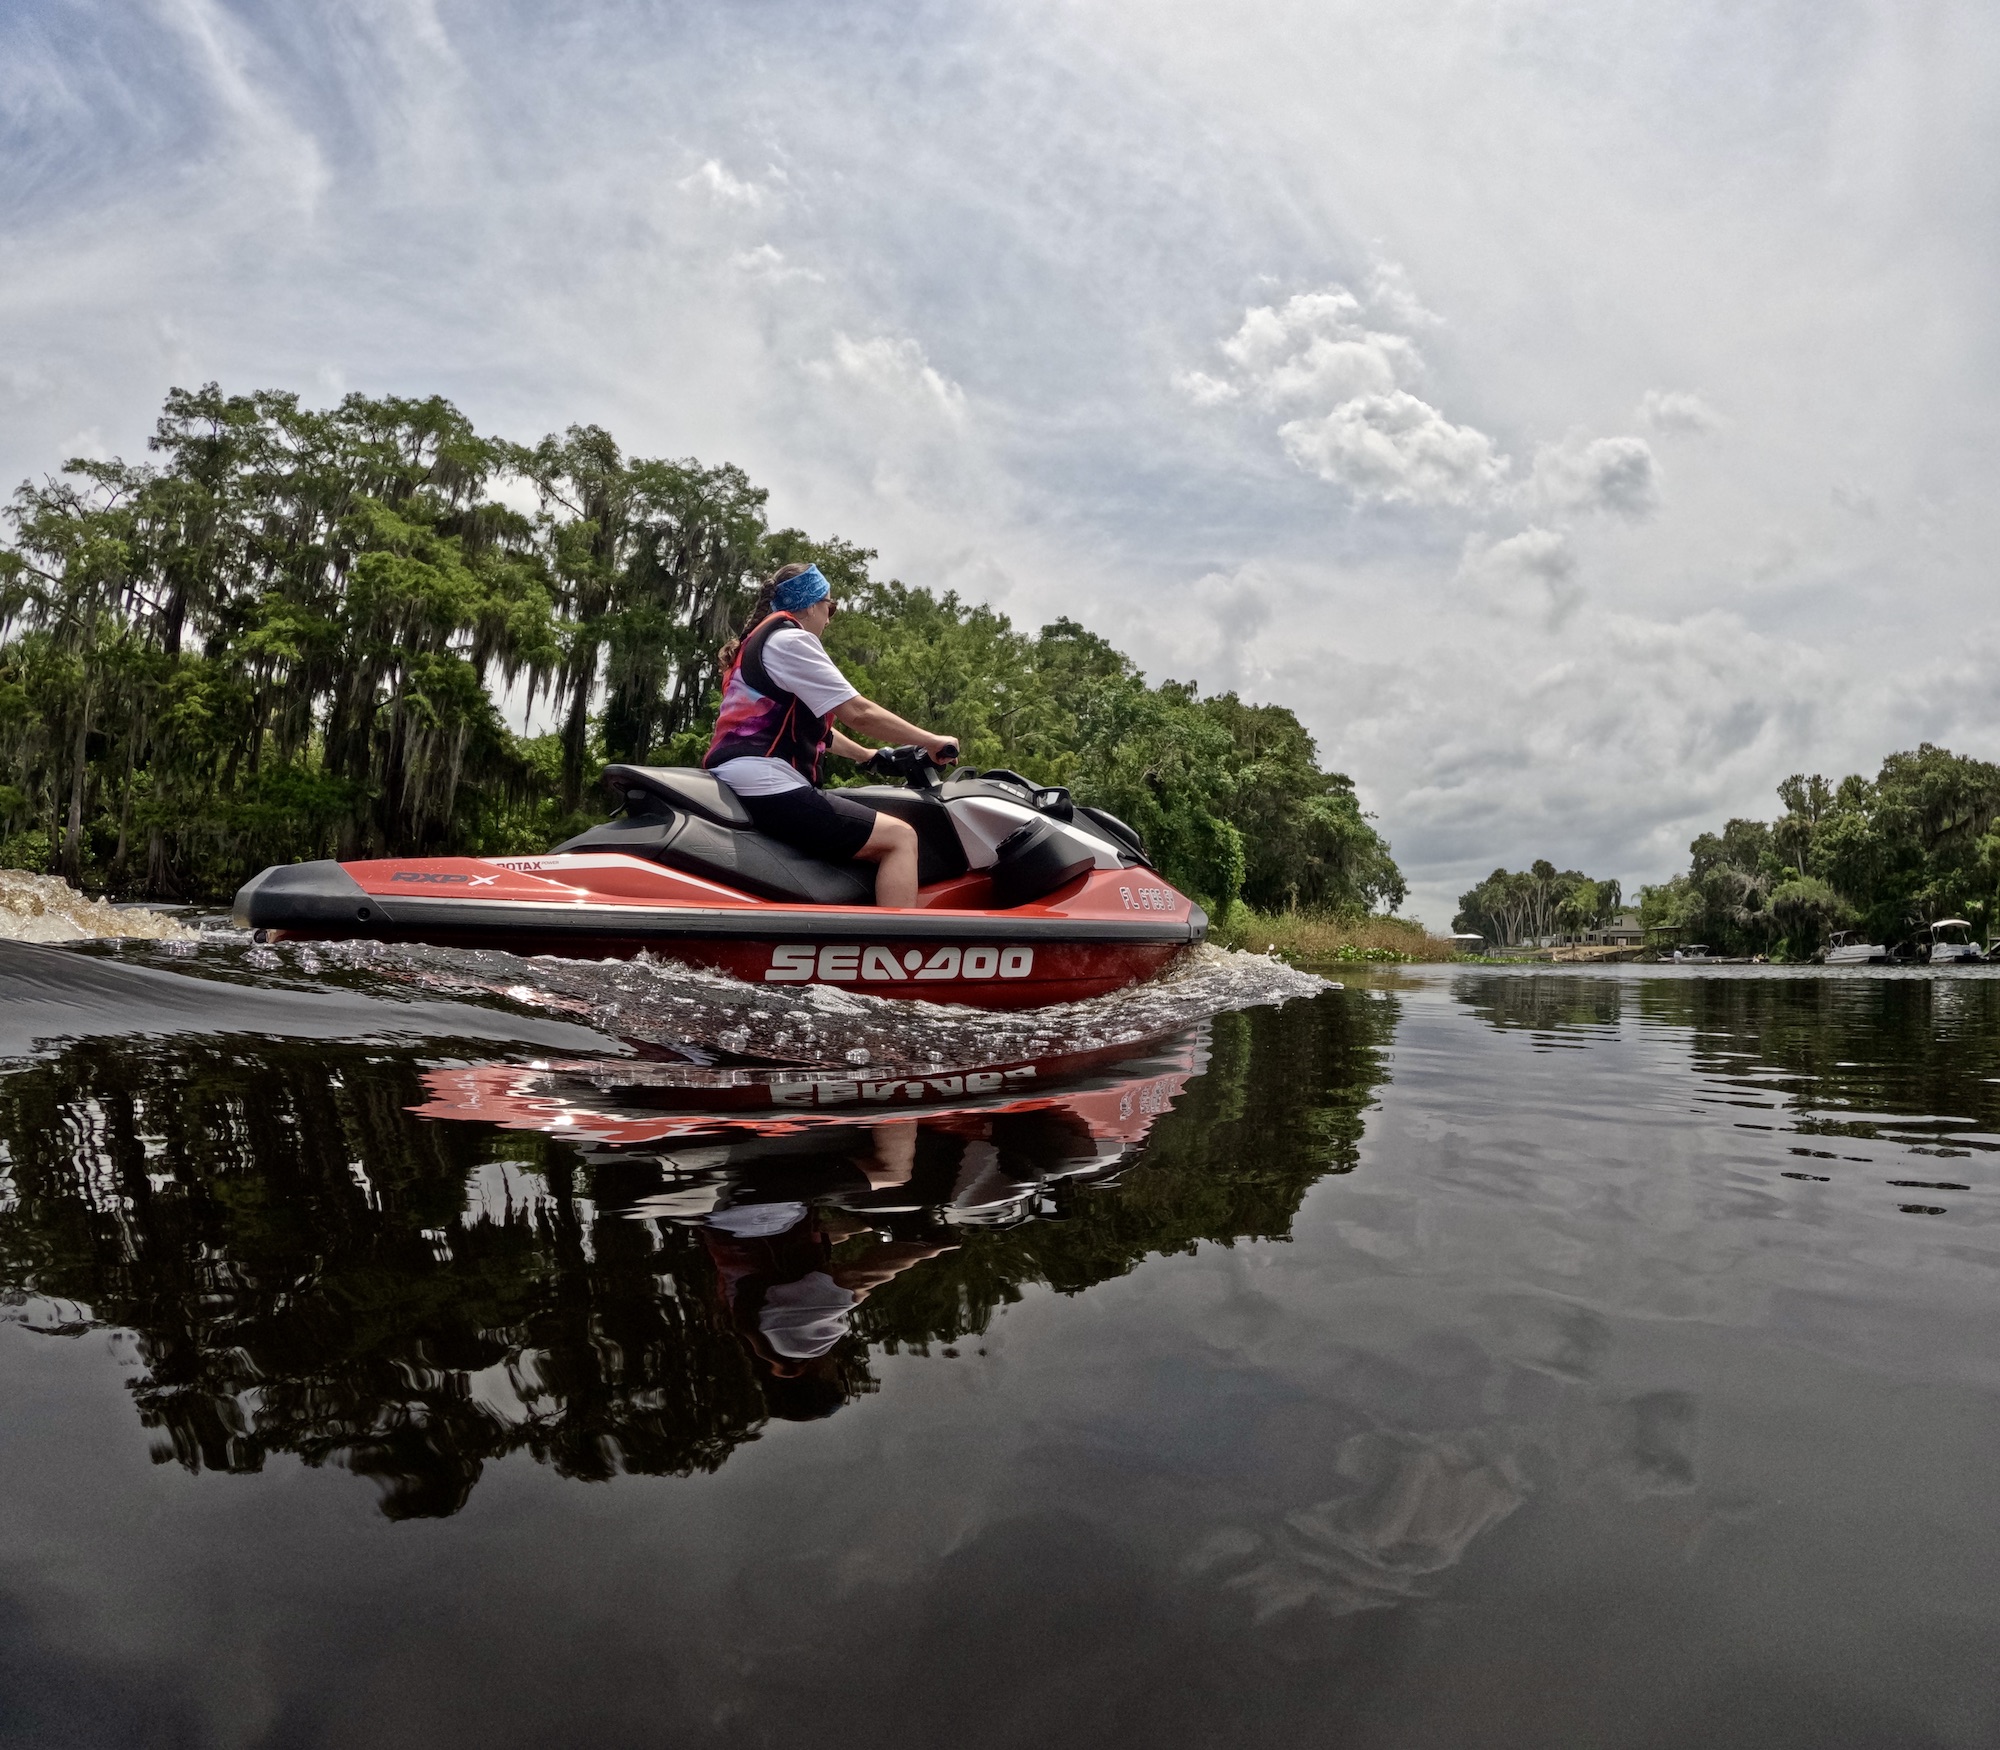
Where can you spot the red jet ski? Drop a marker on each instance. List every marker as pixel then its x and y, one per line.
pixel 1024 896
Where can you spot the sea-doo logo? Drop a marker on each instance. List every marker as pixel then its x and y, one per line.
pixel 897 1090
pixel 801 962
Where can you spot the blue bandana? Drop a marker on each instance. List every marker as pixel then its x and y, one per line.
pixel 800 591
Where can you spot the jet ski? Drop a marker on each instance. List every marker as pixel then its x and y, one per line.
pixel 1025 897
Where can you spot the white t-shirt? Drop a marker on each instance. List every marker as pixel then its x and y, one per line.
pixel 798 662
pixel 802 1320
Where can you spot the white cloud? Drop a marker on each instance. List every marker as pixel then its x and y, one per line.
pixel 1390 292
pixel 1395 449
pixel 1586 474
pixel 1386 445
pixel 1316 347
pixel 1204 390
pixel 1675 410
pixel 895 369
pixel 713 179
pixel 767 263
pixel 1532 575
pixel 1383 442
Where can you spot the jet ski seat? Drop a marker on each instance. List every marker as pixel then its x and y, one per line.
pixel 684 788
pixel 690 821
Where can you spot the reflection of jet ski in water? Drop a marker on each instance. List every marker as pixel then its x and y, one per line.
pixel 811 1190
pixel 1025 897
pixel 1115 1092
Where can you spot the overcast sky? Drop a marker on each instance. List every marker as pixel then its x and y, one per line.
pixel 1582 414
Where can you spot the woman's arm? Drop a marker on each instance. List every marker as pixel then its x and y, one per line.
pixel 871 719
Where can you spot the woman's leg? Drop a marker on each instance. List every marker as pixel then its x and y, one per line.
pixel 892 848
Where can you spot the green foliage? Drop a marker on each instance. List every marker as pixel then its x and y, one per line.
pixel 281 640
pixel 1887 857
pixel 1509 908
pixel 1228 797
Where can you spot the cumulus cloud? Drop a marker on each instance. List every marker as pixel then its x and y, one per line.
pixel 1396 449
pixel 1340 371
pixel 1317 347
pixel 1583 474
pixel 1376 438
pixel 1532 575
pixel 1675 410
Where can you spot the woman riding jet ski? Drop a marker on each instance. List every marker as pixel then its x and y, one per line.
pixel 780 696
pixel 986 888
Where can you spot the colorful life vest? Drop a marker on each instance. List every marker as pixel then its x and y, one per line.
pixel 759 719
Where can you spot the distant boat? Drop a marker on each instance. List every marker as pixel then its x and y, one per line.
pixel 1843 950
pixel 1703 954
pixel 1952 943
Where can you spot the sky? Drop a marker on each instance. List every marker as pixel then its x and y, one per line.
pixel 1583 415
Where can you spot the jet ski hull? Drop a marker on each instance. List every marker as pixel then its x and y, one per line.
pixel 1104 931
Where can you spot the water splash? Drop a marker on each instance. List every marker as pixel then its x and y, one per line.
pixel 45 908
pixel 705 1017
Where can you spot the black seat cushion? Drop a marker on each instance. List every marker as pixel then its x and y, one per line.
pixel 746 861
pixel 644 788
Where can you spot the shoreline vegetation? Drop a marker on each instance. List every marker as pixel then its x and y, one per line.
pixel 1884 858
pixel 284 635
pixel 1319 939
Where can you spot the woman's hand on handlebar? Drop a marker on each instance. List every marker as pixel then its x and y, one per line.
pixel 944 750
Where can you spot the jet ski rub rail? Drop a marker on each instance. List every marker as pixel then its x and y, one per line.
pixel 324 896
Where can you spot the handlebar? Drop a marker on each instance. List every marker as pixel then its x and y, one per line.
pixel 916 764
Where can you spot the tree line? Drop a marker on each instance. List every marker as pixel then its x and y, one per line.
pixel 281 637
pixel 1886 857
pixel 1510 908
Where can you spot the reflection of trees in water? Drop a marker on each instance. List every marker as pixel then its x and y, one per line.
pixel 1913 1047
pixel 1549 1003
pixel 1281 1106
pixel 1919 1048
pixel 305 1273
pixel 291 1248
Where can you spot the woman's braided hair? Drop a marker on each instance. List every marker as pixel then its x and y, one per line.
pixel 760 611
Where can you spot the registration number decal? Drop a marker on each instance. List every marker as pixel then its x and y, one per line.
pixel 801 963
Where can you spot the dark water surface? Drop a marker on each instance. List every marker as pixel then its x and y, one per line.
pixel 400 1355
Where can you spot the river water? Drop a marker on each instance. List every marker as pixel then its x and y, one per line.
pixel 407 1349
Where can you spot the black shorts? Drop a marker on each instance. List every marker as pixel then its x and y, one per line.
pixel 822 823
